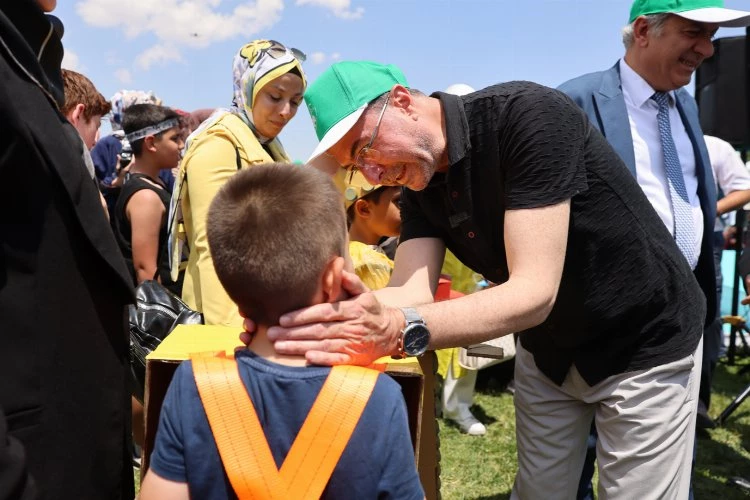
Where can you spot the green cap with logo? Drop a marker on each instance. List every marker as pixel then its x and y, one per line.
pixel 704 11
pixel 339 96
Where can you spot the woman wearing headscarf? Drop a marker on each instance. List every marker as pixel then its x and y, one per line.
pixel 268 88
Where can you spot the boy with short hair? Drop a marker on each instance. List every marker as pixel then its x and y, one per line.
pixel 84 106
pixel 372 212
pixel 140 216
pixel 277 235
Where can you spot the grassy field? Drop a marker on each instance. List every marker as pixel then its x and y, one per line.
pixel 484 467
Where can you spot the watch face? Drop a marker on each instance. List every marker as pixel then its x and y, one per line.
pixel 416 338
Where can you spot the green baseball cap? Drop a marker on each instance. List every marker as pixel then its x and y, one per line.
pixel 704 11
pixel 339 96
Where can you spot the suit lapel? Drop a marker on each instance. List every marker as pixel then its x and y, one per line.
pixel 613 116
pixel 706 183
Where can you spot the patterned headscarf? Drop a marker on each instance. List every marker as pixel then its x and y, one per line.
pixel 123 99
pixel 254 65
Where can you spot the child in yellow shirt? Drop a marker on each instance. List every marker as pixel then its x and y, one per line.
pixel 372 213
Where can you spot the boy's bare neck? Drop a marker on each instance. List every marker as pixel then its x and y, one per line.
pixel 360 232
pixel 263 347
pixel 141 165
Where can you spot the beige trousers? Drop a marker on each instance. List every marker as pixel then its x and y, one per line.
pixel 646 425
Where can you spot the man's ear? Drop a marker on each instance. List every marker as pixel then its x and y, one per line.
pixel 640 31
pixel 331 279
pixel 400 97
pixel 76 114
pixel 362 208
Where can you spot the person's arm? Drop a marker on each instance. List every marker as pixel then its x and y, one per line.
pixel 145 211
pixel 363 329
pixel 731 175
pixel 535 263
pixel 415 273
pixel 167 477
pixel 732 201
pixel 211 164
pixel 158 488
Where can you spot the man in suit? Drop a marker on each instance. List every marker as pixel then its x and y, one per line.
pixel 651 121
pixel 64 391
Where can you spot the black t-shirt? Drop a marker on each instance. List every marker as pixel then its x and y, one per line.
pixel 627 299
pixel 123 231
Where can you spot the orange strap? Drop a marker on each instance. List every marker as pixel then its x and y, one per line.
pixel 242 444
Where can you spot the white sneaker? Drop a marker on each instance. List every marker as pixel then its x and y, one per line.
pixel 470 425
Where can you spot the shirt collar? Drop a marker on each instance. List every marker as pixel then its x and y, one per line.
pixel 636 88
pixel 456 127
pixel 457 179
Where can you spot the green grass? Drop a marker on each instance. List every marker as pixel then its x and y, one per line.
pixel 484 467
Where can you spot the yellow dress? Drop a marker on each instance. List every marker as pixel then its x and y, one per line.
pixel 373 268
pixel 210 161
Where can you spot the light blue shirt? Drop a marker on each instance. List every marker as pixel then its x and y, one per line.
pixel 649 158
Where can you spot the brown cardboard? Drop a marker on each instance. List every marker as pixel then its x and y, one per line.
pixel 186 339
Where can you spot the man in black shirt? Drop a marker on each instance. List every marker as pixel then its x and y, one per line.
pixel 516 182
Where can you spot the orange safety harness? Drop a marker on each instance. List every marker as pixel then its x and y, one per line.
pixel 243 447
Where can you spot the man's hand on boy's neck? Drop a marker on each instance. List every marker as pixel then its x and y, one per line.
pixel 262 347
pixel 329 290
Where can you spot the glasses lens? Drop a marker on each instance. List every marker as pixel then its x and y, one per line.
pixel 276 52
pixel 278 49
pixel 366 155
pixel 299 55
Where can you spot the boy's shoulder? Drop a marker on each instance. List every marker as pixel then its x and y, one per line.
pixel 249 362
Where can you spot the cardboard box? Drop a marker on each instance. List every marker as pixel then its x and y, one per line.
pixel 186 339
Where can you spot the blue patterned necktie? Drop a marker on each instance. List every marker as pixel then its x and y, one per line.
pixel 682 211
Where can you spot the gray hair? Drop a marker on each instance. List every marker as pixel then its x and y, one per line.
pixel 655 22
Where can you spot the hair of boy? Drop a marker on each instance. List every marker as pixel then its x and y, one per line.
pixel 140 116
pixel 80 90
pixel 372 197
pixel 272 229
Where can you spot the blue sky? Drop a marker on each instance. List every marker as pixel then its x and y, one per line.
pixel 182 49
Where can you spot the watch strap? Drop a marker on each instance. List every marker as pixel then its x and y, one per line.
pixel 412 316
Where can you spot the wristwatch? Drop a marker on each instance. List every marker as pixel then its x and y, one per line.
pixel 415 336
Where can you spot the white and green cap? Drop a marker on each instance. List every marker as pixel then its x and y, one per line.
pixel 704 11
pixel 339 96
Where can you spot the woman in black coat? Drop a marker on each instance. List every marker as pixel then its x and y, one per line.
pixel 64 395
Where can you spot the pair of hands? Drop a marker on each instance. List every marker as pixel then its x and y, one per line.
pixel 355 331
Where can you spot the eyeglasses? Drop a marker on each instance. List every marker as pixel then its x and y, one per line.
pixel 277 50
pixel 367 153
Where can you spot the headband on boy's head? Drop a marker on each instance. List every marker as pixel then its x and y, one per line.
pixel 152 129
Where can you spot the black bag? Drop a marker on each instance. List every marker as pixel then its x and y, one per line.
pixel 156 312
